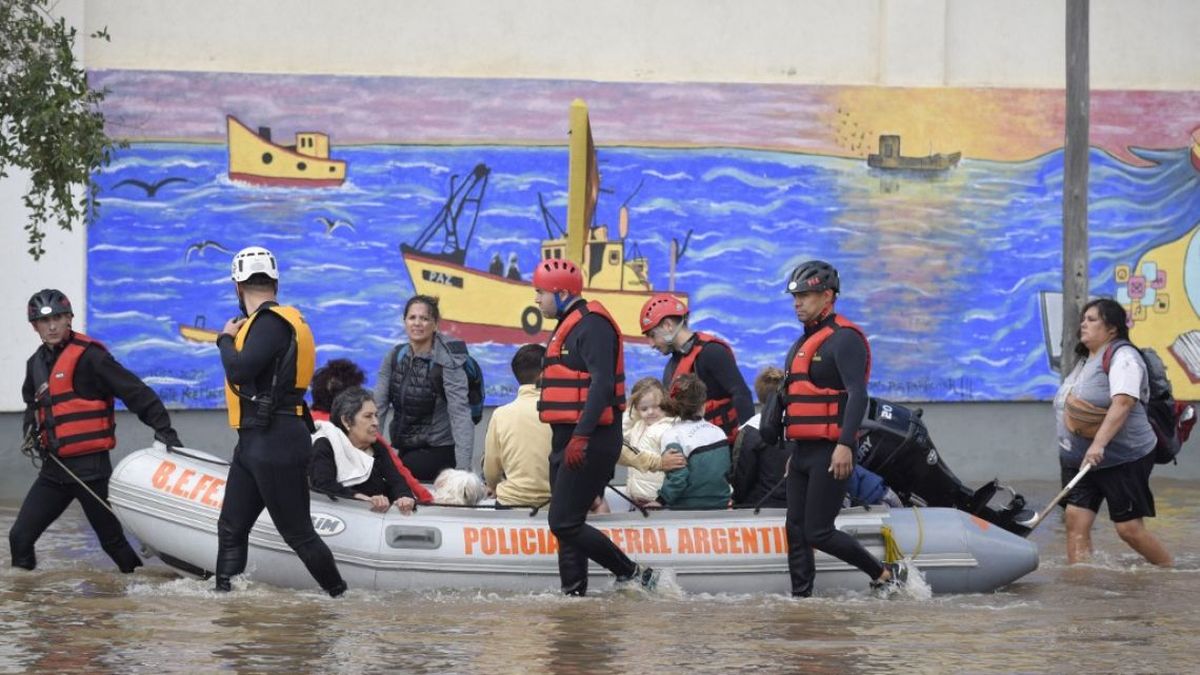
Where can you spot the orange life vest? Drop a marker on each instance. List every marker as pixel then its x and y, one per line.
pixel 295 368
pixel 564 390
pixel 719 411
pixel 72 425
pixel 811 412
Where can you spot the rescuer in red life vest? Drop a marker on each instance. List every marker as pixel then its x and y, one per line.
pixel 664 319
pixel 824 399
pixel 583 395
pixel 70 382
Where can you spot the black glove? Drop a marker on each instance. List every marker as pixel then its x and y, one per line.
pixel 168 438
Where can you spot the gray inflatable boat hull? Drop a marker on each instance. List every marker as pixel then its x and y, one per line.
pixel 171 502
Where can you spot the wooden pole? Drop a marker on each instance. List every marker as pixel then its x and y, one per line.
pixel 671 265
pixel 1075 181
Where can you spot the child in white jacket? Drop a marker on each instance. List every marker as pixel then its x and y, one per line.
pixel 644 426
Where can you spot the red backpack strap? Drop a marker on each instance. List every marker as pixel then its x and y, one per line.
pixel 1111 349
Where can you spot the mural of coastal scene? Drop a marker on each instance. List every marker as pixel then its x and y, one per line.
pixel 941 208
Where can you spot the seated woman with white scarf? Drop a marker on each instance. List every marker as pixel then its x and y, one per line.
pixel 344 452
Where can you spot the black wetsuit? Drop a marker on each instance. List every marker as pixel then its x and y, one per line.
pixel 270 465
pixel 98 376
pixel 814 497
pixel 717 369
pixel 591 346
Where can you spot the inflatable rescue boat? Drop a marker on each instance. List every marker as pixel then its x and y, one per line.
pixel 170 500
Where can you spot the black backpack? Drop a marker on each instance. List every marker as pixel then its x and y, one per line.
pixel 475 393
pixel 1172 421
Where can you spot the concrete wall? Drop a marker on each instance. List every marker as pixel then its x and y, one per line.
pixel 1017 447
pixel 961 43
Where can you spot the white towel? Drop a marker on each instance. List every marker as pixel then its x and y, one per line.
pixel 353 465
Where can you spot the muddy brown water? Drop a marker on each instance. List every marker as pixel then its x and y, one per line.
pixel 77 614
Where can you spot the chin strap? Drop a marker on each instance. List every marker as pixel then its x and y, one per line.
pixel 822 316
pixel 670 339
pixel 560 305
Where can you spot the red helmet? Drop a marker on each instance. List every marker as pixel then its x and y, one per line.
pixel 556 274
pixel 658 308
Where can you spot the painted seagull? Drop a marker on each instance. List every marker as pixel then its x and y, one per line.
pixel 332 225
pixel 151 188
pixel 199 247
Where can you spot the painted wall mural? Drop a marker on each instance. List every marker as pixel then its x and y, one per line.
pixel 941 208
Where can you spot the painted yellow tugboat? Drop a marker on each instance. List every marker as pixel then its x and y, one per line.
pixel 254 159
pixel 478 306
pixel 198 331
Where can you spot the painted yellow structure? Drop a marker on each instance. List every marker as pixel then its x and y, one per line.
pixel 481 307
pixel 500 309
pixel 254 159
pixel 1164 303
pixel 198 331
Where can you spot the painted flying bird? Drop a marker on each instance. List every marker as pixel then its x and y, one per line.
pixel 151 188
pixel 199 247
pixel 332 224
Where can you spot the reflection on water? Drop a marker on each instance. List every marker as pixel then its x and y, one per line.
pixel 76 614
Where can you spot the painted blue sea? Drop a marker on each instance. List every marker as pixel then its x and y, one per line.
pixel 942 271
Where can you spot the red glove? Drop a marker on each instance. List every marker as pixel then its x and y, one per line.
pixel 576 452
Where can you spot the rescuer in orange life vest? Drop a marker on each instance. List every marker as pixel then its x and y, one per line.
pixel 583 395
pixel 268 356
pixel 70 382
pixel 824 399
pixel 664 319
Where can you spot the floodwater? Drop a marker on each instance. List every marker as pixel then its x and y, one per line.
pixel 77 614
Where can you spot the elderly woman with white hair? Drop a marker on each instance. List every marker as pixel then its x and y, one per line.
pixel 345 450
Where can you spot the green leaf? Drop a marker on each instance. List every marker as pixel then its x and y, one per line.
pixel 50 120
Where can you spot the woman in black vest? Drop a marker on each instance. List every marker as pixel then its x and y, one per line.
pixel 423 385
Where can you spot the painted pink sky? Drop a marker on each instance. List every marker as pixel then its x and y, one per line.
pixel 162 105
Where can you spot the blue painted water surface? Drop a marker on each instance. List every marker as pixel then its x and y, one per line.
pixel 942 271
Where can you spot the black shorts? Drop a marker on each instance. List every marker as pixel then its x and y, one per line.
pixel 1126 488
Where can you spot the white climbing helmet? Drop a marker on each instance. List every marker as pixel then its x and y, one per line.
pixel 254 260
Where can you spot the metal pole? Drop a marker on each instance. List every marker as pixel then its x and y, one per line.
pixel 1075 181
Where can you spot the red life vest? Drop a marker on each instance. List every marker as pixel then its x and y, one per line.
pixel 719 411
pixel 811 412
pixel 72 425
pixel 564 390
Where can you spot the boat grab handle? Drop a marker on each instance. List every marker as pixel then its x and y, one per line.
pixel 408 536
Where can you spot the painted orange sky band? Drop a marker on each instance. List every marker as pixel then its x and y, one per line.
pixel 995 124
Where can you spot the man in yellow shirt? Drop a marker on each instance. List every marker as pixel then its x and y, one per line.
pixel 516 463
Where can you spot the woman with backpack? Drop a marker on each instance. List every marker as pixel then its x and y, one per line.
pixel 1101 421
pixel 422 384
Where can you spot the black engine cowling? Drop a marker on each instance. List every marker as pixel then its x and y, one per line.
pixel 894 443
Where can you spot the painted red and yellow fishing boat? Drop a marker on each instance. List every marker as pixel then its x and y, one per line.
pixel 482 306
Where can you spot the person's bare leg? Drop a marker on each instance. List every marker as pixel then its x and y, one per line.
pixel 1142 540
pixel 1079 523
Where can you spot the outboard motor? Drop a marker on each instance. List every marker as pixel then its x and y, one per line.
pixel 894 443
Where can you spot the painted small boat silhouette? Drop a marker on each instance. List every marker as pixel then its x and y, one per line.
pixel 254 159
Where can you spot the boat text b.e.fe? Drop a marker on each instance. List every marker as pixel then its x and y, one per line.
pixel 170 500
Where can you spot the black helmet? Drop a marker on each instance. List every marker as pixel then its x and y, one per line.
pixel 48 302
pixel 814 275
